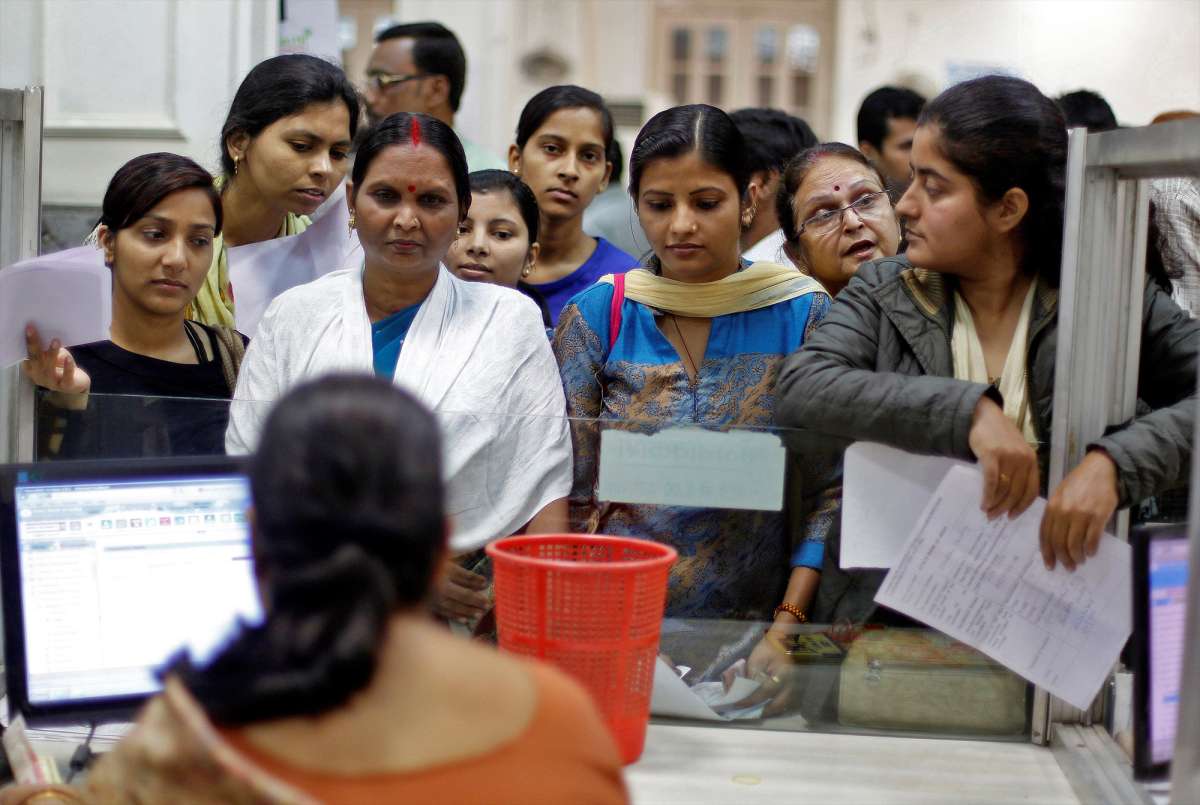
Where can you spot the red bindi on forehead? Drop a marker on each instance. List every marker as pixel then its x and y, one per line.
pixel 412 188
pixel 836 188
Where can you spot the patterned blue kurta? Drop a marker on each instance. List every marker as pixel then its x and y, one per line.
pixel 732 563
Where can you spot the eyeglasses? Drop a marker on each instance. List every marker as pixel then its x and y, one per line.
pixel 385 81
pixel 872 206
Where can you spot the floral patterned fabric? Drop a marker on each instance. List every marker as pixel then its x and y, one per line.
pixel 732 563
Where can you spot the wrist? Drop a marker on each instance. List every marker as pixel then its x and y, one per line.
pixel 789 614
pixel 1099 460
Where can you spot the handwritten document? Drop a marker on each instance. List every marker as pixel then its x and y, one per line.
pixel 984 583
pixel 884 491
pixel 66 295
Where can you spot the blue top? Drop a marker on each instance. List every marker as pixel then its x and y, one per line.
pixel 387 337
pixel 732 563
pixel 606 259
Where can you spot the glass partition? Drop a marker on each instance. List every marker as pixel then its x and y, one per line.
pixel 736 505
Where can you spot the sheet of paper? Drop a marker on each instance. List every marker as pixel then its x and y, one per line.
pixel 984 583
pixel 259 272
pixel 66 295
pixel 672 697
pixel 735 469
pixel 884 492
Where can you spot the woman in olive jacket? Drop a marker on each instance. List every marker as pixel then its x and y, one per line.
pixel 950 349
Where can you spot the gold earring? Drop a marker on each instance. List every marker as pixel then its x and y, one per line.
pixel 350 224
pixel 527 270
pixel 235 165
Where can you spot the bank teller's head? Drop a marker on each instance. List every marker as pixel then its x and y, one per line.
pixel 157 224
pixel 288 132
pixel 348 472
pixel 349 529
pixel 408 193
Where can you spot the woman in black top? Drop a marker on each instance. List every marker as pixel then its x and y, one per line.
pixel 160 386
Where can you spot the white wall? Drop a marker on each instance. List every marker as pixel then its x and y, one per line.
pixel 1142 55
pixel 604 42
pixel 126 77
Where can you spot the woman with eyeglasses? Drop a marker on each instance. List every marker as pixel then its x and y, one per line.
pixel 835 214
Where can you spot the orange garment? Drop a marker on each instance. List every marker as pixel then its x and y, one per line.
pixel 565 755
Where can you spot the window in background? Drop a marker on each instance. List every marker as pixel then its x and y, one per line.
pixel 765 46
pixel 681 51
pixel 775 54
pixel 718 51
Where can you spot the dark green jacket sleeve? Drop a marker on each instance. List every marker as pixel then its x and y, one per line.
pixel 855 378
pixel 1153 453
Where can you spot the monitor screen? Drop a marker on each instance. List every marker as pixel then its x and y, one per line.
pixel 118 574
pixel 1168 565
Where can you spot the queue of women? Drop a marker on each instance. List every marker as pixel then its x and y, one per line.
pixel 936 337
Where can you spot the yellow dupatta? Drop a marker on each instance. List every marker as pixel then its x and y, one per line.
pixel 761 285
pixel 214 304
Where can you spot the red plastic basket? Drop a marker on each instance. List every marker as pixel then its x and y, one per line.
pixel 593 606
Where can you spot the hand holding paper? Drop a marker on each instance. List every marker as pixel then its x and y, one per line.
pixel 67 296
pixel 983 582
pixel 53 367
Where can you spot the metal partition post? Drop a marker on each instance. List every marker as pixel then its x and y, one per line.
pixel 1100 302
pixel 1185 767
pixel 20 234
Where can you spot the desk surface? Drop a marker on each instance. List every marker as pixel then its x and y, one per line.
pixel 699 765
pixel 727 766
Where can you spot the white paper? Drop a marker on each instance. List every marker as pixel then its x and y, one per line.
pixel 259 272
pixel 66 295
pixel 884 491
pixel 737 469
pixel 672 697
pixel 984 583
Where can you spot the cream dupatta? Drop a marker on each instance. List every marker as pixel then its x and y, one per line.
pixel 761 285
pixel 969 363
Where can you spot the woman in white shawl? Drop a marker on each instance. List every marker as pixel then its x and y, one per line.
pixel 473 352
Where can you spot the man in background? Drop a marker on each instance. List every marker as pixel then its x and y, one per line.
pixel 1175 205
pixel 1087 109
pixel 772 139
pixel 886 122
pixel 421 67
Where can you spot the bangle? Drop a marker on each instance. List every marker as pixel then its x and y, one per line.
pixel 56 795
pixel 791 609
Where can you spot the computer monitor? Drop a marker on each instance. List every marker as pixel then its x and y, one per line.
pixel 109 569
pixel 1160 575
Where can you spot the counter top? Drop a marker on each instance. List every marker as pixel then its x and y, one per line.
pixel 695 765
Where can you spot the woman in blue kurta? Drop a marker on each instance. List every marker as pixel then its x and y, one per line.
pixel 697 341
